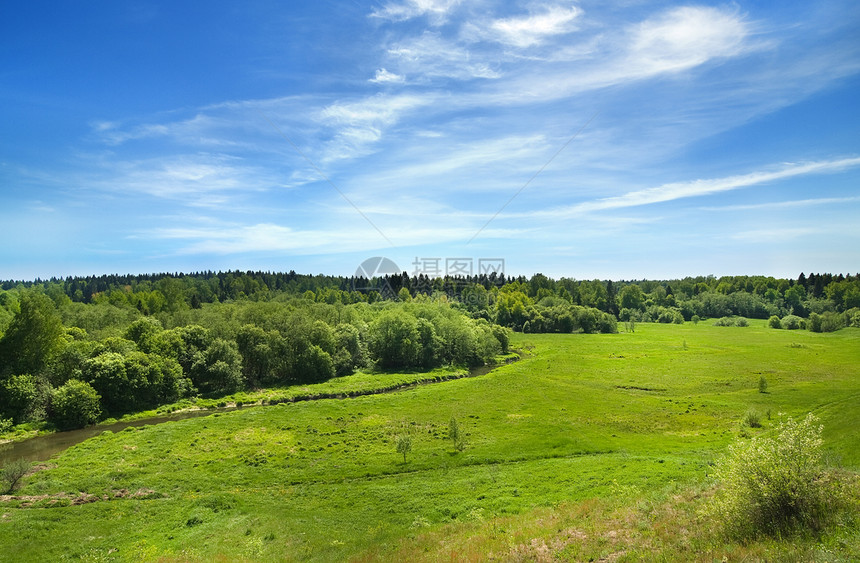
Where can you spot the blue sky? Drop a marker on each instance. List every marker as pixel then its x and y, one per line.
pixel 631 140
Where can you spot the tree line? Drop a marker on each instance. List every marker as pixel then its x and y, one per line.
pixel 74 364
pixel 78 349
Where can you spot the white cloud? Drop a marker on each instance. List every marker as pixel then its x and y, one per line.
pixel 784 204
pixel 534 29
pixel 676 40
pixel 198 179
pixel 686 37
pixel 383 76
pixel 359 124
pixel 698 188
pixel 379 109
pixel 453 167
pixel 437 10
pixel 776 234
pixel 347 237
pixel 432 56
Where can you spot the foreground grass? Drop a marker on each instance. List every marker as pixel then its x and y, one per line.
pixel 590 434
pixel 666 524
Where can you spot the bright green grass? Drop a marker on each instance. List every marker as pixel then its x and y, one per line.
pixel 582 416
pixel 357 384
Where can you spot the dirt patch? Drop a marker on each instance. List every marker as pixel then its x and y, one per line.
pixel 637 388
pixel 65 499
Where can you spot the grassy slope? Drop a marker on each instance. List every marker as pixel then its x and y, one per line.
pixel 586 416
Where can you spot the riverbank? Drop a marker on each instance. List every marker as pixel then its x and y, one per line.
pixel 40 444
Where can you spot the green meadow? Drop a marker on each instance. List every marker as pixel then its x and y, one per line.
pixel 589 447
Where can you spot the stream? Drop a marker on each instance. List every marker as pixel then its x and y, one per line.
pixel 42 448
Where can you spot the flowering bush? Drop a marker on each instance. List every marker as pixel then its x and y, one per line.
pixel 772 485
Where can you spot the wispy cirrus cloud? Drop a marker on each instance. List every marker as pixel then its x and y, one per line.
pixel 198 180
pixel 465 83
pixel 431 55
pixel 778 234
pixel 359 124
pixel 698 188
pixel 525 31
pixel 436 10
pixel 793 204
pixel 235 238
pixel 685 37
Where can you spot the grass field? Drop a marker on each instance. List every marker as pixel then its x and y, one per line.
pixel 591 446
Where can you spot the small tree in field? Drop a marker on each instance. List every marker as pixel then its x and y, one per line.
pixel 772 485
pixel 12 472
pixel 455 435
pixel 403 443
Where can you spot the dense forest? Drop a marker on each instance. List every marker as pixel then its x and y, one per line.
pixel 76 350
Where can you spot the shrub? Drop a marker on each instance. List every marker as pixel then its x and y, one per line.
pixel 827 321
pixel 762 385
pixel 773 485
pixel 752 419
pixel 731 321
pixel 75 405
pixel 12 472
pixel 501 334
pixel 792 322
pixel 774 322
pixel 666 315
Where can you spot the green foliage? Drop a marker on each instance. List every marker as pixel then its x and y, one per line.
pixel 34 335
pixel 631 297
pixel 774 485
pixel 666 315
pixel 752 419
pixel 314 365
pixel 218 368
pixel 732 321
pixel 792 322
pixel 456 435
pixel 551 430
pixel 501 334
pixel 350 353
pixel 255 346
pixel 403 444
pixel 18 397
pixel 762 385
pixel 11 474
pixel 143 332
pixel 395 341
pixel 827 321
pixel 75 405
pixel 774 322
